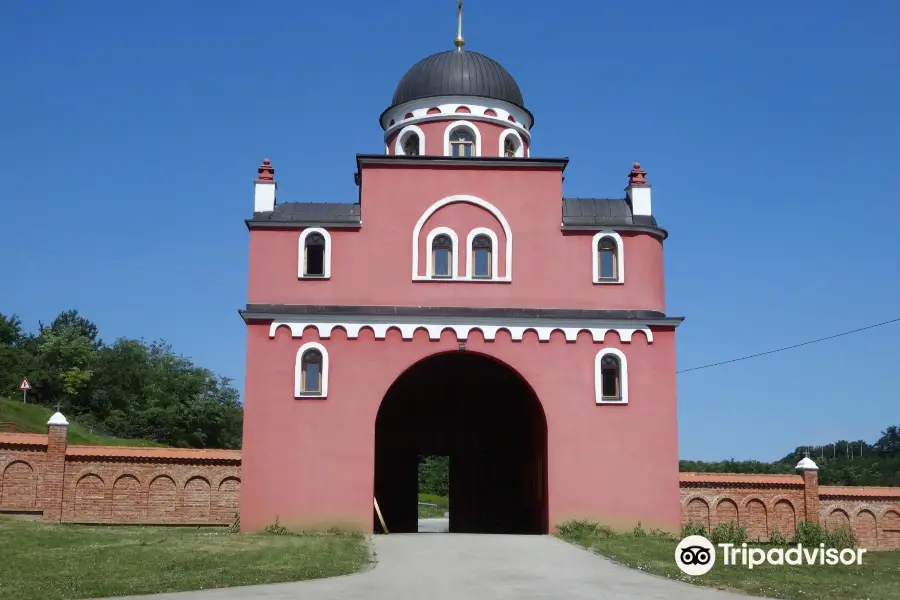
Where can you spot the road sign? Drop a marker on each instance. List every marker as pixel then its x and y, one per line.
pixel 25 386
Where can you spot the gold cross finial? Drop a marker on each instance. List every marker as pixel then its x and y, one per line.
pixel 459 41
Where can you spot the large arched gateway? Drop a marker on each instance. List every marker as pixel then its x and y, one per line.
pixel 482 415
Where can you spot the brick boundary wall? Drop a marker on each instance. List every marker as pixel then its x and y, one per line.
pixel 42 475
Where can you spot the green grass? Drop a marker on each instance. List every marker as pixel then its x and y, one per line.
pixel 56 562
pixel 430 512
pixel 32 418
pixel 878 578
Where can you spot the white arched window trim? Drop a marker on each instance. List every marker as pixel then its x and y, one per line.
pixel 495 246
pixel 623 376
pixel 520 149
pixel 507 233
pixel 462 125
pixel 302 253
pixel 298 371
pixel 429 258
pixel 620 257
pixel 398 144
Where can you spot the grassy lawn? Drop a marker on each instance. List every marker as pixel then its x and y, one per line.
pixel 49 562
pixel 32 418
pixel 878 578
pixel 431 512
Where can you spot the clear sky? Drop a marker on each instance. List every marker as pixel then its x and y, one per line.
pixel 130 133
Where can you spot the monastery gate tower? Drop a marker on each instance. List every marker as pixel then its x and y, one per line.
pixel 462 307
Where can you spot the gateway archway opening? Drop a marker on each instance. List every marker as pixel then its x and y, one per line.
pixel 482 415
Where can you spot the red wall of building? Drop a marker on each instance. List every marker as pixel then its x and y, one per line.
pixel 316 456
pixel 373 266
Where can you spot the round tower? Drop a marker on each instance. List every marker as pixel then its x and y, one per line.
pixel 457 103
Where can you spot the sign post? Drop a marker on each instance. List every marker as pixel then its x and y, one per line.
pixel 24 386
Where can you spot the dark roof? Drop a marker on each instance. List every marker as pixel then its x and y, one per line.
pixel 310 213
pixel 458 73
pixel 601 212
pixel 256 311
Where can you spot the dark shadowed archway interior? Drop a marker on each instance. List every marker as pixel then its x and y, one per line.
pixel 486 418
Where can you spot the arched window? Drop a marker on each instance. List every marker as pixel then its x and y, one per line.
pixel 611 378
pixel 509 147
pixel 481 257
pixel 442 255
pixel 311 372
pixel 411 145
pixel 314 255
pixel 607 260
pixel 462 143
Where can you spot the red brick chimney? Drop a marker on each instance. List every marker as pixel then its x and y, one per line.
pixel 55 467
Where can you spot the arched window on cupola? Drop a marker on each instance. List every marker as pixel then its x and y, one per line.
pixel 314 255
pixel 311 373
pixel 411 144
pixel 481 257
pixel 442 256
pixel 510 146
pixel 607 260
pixel 611 378
pixel 462 142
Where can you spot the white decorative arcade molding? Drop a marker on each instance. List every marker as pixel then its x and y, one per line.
pixel 462 330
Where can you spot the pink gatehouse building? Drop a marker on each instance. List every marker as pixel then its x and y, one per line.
pixel 462 306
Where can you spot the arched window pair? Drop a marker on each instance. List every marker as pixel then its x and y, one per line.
pixel 480 255
pixel 311 374
pixel 611 377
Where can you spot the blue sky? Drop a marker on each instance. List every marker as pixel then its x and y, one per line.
pixel 131 134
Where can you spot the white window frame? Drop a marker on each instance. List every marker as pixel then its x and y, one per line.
pixel 298 371
pixel 520 150
pixel 623 376
pixel 398 144
pixel 301 257
pixel 429 256
pixel 620 258
pixel 462 125
pixel 495 259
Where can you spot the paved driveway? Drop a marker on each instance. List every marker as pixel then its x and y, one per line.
pixel 440 566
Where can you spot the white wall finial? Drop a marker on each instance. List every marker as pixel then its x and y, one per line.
pixel 806 464
pixel 57 419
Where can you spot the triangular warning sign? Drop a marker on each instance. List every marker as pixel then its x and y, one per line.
pixel 25 385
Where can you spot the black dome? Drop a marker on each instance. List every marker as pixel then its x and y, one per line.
pixel 458 73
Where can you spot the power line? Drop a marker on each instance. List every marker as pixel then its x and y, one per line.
pixel 830 337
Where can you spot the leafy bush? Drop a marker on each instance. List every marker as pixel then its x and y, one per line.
pixel 841 538
pixel 582 529
pixel 693 529
pixel 728 533
pixel 277 529
pixel 810 534
pixel 776 538
pixel 638 531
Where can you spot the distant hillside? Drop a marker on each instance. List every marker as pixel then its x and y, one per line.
pixel 840 463
pixel 31 418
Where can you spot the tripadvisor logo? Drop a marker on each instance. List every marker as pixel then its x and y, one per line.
pixel 695 555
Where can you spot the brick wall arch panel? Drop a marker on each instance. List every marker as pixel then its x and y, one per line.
pixel 162 496
pixel 865 528
pixel 228 498
pixel 696 510
pixel 837 518
pixel 726 510
pixel 784 517
pixel 129 499
pixel 197 499
pixel 90 498
pixel 18 485
pixel 755 518
pixel 889 536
